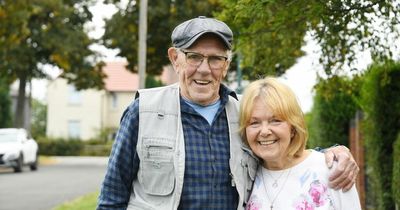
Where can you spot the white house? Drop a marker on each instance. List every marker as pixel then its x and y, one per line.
pixel 85 114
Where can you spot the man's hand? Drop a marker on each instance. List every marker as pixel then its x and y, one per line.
pixel 345 173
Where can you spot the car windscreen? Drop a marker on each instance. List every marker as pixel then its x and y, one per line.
pixel 8 137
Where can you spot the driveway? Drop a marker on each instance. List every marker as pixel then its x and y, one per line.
pixel 65 179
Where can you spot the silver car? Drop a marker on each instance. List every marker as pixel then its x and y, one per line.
pixel 18 149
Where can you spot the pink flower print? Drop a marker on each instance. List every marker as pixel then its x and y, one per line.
pixel 318 193
pixel 304 205
pixel 253 204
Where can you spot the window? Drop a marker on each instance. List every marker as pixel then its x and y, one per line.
pixel 74 129
pixel 74 96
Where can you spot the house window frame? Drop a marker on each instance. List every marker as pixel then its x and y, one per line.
pixel 74 129
pixel 74 96
pixel 114 100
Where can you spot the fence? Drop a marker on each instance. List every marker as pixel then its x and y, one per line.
pixel 357 150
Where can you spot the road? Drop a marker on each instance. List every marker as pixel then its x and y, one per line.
pixel 52 184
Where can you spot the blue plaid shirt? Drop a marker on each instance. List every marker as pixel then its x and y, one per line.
pixel 207 183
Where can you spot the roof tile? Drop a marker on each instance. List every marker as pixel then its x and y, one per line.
pixel 119 78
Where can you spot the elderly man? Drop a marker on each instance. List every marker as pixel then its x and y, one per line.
pixel 178 147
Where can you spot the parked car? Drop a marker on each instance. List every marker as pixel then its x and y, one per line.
pixel 18 149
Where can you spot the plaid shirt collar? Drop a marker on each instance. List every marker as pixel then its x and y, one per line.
pixel 224 93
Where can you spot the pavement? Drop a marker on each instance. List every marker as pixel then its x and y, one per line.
pixel 78 160
pixel 59 179
pixel 66 160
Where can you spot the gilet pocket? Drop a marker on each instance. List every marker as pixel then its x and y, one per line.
pixel 251 170
pixel 156 171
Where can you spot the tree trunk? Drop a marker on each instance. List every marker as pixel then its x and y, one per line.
pixel 19 120
pixel 142 43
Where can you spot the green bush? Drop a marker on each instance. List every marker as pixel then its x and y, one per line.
pixel 104 136
pixel 96 150
pixel 380 102
pixel 73 147
pixel 60 147
pixel 396 171
pixel 334 106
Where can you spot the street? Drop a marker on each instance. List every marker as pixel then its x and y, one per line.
pixel 51 185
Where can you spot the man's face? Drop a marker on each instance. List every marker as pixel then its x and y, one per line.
pixel 200 84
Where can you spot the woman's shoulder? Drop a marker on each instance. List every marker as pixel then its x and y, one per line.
pixel 315 161
pixel 314 158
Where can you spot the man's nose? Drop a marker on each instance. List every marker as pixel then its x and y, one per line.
pixel 204 67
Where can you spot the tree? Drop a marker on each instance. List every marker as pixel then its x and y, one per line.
pixel 163 15
pixel 38 32
pixel 270 33
pixel 39 118
pixel 151 81
pixel 5 104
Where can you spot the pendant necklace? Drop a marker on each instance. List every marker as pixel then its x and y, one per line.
pixel 280 190
pixel 275 182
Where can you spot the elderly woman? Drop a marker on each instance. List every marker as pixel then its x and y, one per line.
pixel 290 177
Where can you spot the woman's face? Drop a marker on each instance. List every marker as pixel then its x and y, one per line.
pixel 268 136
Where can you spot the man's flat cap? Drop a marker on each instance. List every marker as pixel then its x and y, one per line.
pixel 186 33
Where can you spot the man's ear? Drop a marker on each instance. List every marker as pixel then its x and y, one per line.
pixel 173 56
pixel 225 72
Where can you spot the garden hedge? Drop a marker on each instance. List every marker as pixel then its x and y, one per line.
pixel 380 101
pixel 334 107
pixel 396 172
pixel 73 147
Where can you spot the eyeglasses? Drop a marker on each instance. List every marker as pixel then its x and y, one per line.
pixel 196 59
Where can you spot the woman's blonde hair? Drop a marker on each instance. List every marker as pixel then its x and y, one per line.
pixel 283 104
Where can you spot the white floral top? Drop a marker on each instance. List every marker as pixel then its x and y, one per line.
pixel 302 187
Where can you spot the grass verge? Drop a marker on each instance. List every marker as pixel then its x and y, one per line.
pixel 86 202
pixel 46 160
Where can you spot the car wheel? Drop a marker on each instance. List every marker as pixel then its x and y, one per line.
pixel 20 162
pixel 34 165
